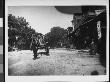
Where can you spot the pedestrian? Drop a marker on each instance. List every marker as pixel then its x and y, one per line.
pixel 34 46
pixel 93 48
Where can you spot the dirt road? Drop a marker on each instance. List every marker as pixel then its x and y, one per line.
pixel 60 62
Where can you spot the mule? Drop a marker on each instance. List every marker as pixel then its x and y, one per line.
pixel 39 43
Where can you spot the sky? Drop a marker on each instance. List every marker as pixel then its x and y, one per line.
pixel 42 18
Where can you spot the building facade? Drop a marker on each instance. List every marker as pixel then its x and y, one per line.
pixel 85 27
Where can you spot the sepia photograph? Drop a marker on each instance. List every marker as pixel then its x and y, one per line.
pixel 57 40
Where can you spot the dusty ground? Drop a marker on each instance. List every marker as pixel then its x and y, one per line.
pixel 60 62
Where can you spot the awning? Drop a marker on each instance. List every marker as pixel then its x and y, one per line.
pixel 101 17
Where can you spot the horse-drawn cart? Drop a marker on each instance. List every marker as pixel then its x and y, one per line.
pixel 39 43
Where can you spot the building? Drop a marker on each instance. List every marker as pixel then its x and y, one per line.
pixel 91 30
pixel 82 24
pixel 87 13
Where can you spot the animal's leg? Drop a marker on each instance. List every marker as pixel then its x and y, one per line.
pixel 47 50
pixel 35 52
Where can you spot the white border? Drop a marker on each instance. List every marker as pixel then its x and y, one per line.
pixel 55 2
pixel 54 78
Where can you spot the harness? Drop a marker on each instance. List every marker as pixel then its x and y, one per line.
pixel 37 42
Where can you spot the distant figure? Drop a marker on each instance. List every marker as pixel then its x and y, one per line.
pixel 93 48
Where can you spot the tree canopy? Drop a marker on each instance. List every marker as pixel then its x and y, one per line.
pixel 56 36
pixel 19 32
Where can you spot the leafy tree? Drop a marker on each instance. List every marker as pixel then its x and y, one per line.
pixel 19 32
pixel 56 37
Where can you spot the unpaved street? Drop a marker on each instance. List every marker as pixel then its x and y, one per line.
pixel 60 62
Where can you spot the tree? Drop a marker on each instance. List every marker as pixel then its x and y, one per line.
pixel 56 36
pixel 19 32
